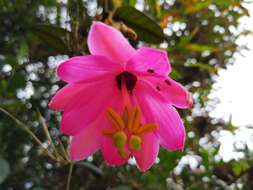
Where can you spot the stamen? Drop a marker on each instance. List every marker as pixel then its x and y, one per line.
pixel 119 139
pixel 109 132
pixel 134 119
pixel 146 128
pixel 137 117
pixel 127 129
pixel 116 119
pixel 135 143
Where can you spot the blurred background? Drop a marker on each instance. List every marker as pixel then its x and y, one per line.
pixel 209 43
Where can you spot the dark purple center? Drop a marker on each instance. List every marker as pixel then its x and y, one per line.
pixel 128 78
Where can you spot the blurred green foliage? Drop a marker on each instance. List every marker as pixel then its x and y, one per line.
pixel 37 34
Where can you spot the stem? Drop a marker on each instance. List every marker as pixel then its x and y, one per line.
pixel 105 6
pixel 69 175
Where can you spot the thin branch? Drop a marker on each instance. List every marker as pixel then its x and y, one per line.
pixel 24 127
pixel 69 175
pixel 51 143
pixel 63 150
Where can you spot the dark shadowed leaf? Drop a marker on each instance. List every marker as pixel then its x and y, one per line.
pixel 94 169
pixel 146 29
pixel 204 66
pixel 4 170
pixel 52 36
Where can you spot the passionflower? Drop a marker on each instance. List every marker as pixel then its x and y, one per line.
pixel 120 100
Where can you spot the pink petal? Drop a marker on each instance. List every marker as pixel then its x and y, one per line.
pixel 88 141
pixel 109 42
pixel 150 60
pixel 172 91
pixel 91 138
pixel 110 153
pixel 86 68
pixel 147 155
pixel 65 95
pixel 170 126
pixel 87 105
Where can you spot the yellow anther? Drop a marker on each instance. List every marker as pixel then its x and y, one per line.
pixel 137 117
pixel 146 128
pixel 123 153
pixel 119 139
pixel 116 119
pixel 135 143
pixel 134 119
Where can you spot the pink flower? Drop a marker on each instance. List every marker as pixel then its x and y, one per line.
pixel 120 100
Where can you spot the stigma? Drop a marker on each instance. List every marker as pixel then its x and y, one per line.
pixel 128 78
pixel 127 130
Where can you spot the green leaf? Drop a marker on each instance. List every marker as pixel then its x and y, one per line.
pixel 51 29
pixel 154 7
pixel 205 157
pixel 230 127
pixel 200 47
pixel 129 2
pixel 239 167
pixel 18 81
pixel 53 36
pixel 94 169
pixel 169 159
pixel 23 50
pixel 146 29
pixel 197 7
pixel 216 151
pixel 175 74
pixel 210 69
pixel 225 3
pixel 4 170
pixel 244 165
pixel 236 169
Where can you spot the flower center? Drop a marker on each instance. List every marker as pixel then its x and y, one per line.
pixel 129 79
pixel 127 130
